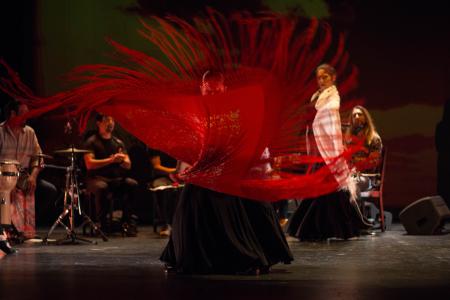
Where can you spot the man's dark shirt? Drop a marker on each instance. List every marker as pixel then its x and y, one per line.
pixel 104 148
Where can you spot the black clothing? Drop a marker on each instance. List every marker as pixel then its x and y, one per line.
pixel 110 182
pixel 327 216
pixel 107 190
pixel 104 148
pixel 266 226
pixel 218 233
pixel 46 204
pixel 281 207
pixel 442 142
pixel 165 200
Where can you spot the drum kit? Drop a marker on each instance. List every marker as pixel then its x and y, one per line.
pixel 11 176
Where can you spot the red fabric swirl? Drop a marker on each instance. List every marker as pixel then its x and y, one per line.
pixel 268 63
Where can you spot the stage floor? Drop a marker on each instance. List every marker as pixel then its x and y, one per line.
pixel 391 265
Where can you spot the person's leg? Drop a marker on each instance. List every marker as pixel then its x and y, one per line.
pixel 46 195
pixel 162 205
pixel 47 189
pixel 23 214
pixel 99 188
pixel 129 186
pixel 128 190
pixel 363 184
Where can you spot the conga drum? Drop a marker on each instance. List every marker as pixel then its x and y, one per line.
pixel 9 173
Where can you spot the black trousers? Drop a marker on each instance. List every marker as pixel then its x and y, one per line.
pixel 123 188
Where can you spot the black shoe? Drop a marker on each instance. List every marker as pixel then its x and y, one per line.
pixel 129 230
pixel 169 268
pixel 134 222
pixel 5 247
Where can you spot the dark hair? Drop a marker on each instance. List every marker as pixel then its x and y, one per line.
pixel 369 128
pixel 213 75
pixel 12 106
pixel 328 68
pixel 99 117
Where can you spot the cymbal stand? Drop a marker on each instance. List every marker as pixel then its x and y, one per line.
pixel 71 205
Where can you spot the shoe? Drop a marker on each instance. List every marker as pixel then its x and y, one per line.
pixel 5 247
pixel 165 232
pixel 283 222
pixel 134 222
pixel 169 268
pixel 128 230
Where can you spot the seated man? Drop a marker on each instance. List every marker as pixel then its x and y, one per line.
pixel 166 199
pixel 107 165
pixel 367 160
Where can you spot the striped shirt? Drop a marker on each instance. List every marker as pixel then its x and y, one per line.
pixel 20 148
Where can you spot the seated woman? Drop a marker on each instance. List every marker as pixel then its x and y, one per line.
pixel 367 160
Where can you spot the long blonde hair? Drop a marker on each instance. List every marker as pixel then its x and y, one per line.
pixel 369 130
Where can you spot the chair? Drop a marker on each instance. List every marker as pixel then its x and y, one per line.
pixel 376 194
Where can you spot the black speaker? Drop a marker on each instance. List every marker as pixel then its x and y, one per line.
pixel 425 216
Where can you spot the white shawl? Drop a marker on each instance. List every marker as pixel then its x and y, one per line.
pixel 328 135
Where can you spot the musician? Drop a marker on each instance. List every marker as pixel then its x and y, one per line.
pixel 162 168
pixel 18 142
pixel 362 131
pixel 107 167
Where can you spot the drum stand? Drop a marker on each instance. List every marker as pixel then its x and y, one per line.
pixel 72 204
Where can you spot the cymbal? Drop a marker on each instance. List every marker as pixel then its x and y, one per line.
pixel 41 155
pixel 72 150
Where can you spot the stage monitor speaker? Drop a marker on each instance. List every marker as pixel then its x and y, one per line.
pixel 425 216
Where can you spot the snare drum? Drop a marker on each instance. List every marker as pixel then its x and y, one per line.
pixel 9 173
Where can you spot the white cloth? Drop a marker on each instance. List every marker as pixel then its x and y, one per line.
pixel 328 136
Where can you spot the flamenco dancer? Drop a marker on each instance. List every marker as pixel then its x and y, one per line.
pixel 336 214
pixel 220 233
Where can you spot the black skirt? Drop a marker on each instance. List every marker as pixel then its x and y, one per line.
pixel 223 234
pixel 328 216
